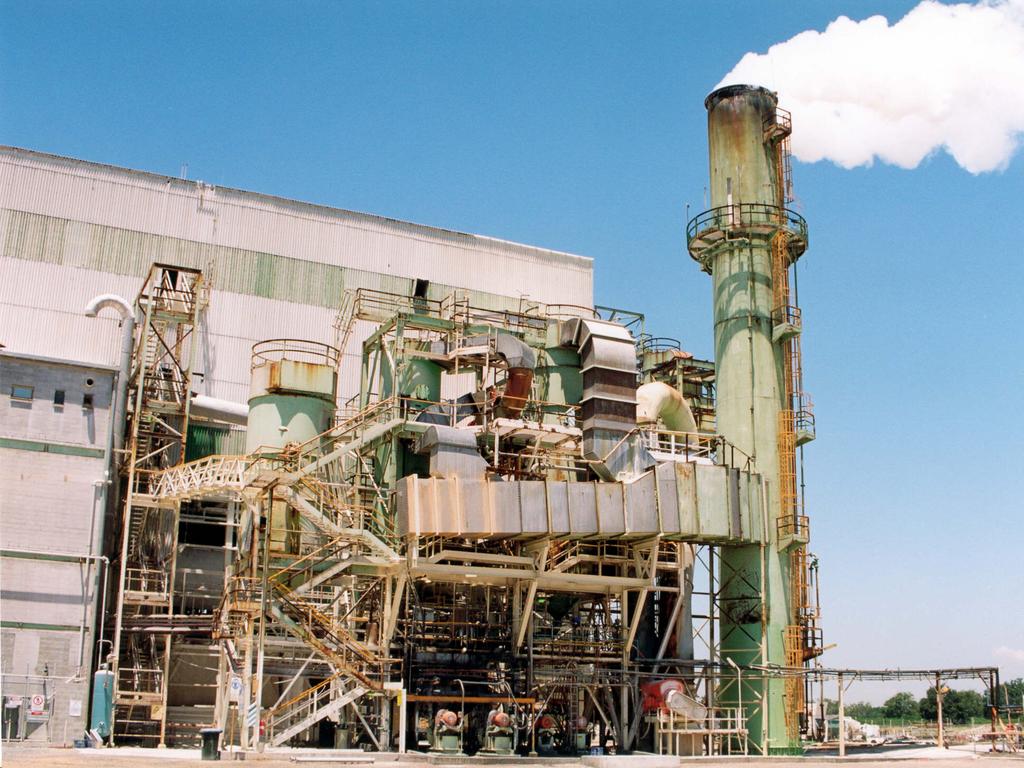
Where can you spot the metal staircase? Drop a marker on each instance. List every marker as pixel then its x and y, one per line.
pixel 330 579
pixel 168 307
pixel 325 699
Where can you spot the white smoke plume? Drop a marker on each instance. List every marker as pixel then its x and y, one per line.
pixel 943 76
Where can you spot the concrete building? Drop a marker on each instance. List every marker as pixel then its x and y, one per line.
pixel 54 429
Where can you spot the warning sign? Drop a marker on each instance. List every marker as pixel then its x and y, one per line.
pixel 37 709
pixel 235 688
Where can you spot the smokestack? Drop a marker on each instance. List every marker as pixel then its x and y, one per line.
pixel 736 241
pixel 945 77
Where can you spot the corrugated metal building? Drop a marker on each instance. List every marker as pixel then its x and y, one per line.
pixel 70 230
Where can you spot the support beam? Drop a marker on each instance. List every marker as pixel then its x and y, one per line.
pixel 842 717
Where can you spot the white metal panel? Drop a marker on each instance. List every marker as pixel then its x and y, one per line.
pixel 139 201
pixel 42 311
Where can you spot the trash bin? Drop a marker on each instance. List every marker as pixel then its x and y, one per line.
pixel 211 739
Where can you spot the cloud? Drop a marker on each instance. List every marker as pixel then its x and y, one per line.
pixel 1006 652
pixel 945 77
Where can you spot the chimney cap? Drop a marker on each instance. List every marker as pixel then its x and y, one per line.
pixel 729 91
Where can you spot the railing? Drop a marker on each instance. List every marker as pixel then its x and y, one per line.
pixel 138 680
pixel 567 553
pixel 299 350
pixel 379 306
pixel 298 707
pixel 781 122
pixel 793 526
pixel 581 640
pixel 696 447
pixel 348 648
pixel 803 414
pixel 323 633
pixel 658 344
pixel 152 581
pixel 564 311
pixel 690 445
pixel 171 288
pixel 728 722
pixel 206 474
pixel 740 216
pixel 803 642
pixel 787 315
pixel 707 229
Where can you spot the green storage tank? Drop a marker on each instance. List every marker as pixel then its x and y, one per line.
pixel 292 393
pixel 102 702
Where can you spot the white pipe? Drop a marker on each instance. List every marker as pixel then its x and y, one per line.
pixel 109 301
pixel 658 400
pixel 123 308
pixel 220 410
pixel 110 490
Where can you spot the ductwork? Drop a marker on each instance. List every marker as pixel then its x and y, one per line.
pixel 608 362
pixel 521 361
pixel 453 453
pixel 109 301
pixel 659 401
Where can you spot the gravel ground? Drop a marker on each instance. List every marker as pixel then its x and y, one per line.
pixel 39 757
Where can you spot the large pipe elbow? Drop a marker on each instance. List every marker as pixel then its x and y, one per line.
pixel 659 401
pixel 521 361
pixel 109 301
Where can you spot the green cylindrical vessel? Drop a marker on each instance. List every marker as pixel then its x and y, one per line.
pixel 292 393
pixel 102 702
pixel 750 391
pixel 417 378
pixel 558 380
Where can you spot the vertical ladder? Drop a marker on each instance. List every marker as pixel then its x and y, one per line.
pixel 795 426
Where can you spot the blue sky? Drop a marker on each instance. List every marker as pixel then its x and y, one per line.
pixel 580 126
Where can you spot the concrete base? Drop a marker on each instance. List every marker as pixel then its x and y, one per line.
pixel 630 761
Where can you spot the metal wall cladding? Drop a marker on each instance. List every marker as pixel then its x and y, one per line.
pixel 687 502
pixel 141 202
pixel 42 311
pixel 70 230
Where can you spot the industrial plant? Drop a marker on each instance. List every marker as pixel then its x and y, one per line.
pixel 282 475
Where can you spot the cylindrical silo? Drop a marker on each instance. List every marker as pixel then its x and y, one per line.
pixel 733 241
pixel 292 393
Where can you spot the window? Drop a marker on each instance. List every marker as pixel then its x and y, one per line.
pixel 58 397
pixel 87 401
pixel 19 392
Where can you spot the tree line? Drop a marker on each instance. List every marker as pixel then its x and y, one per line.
pixel 958 707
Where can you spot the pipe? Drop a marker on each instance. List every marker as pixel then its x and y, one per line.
pixel 219 410
pixel 659 401
pixel 121 305
pixel 521 361
pixel 110 489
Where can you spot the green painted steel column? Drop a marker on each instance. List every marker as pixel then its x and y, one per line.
pixel 750 393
